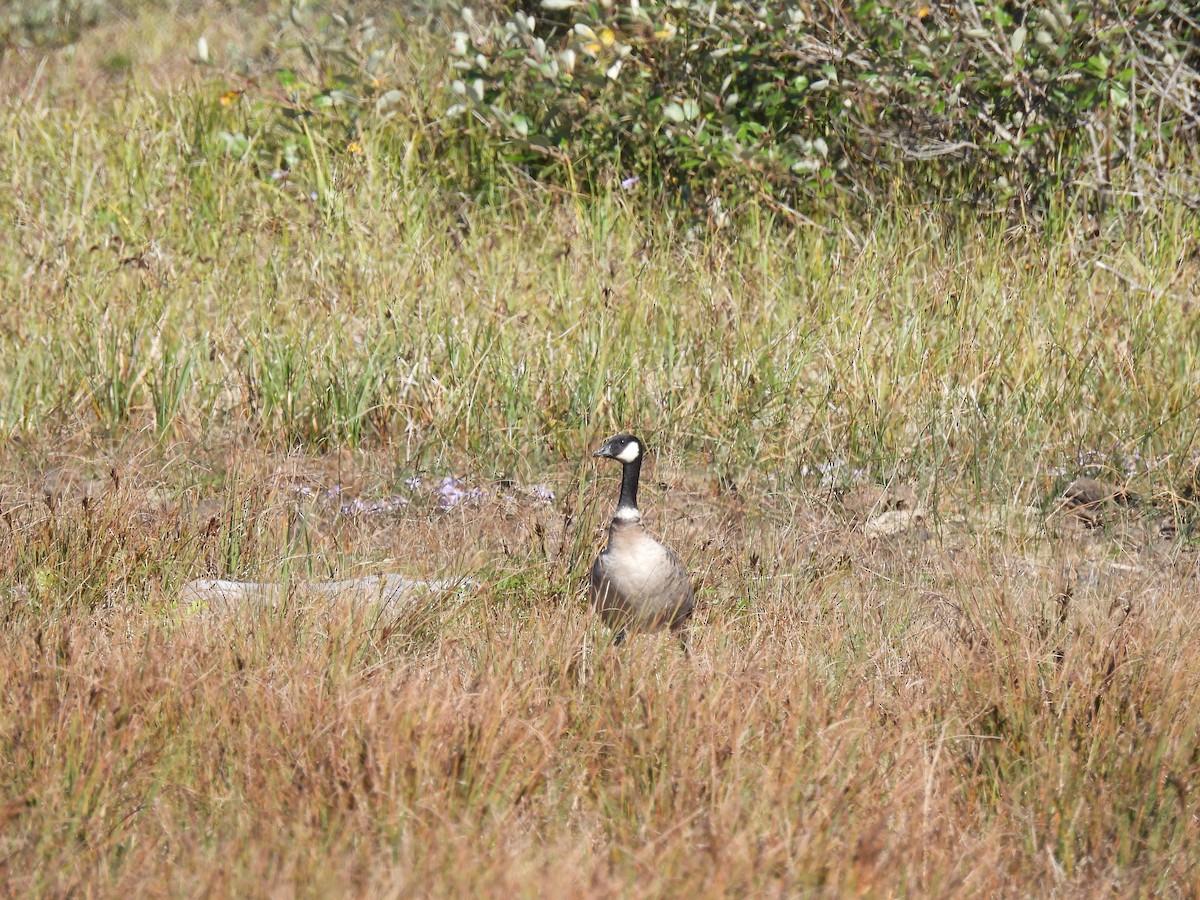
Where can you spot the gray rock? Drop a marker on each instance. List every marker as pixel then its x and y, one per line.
pixel 386 594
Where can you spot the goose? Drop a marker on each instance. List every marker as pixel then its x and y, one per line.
pixel 637 583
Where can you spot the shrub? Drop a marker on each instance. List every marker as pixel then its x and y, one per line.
pixel 42 22
pixel 321 80
pixel 793 103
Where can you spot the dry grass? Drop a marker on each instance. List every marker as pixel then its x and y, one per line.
pixel 960 713
pixel 997 698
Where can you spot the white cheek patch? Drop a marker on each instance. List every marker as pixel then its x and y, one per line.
pixel 630 453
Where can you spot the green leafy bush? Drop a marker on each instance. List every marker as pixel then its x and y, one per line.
pixel 47 22
pixel 789 103
pixel 322 79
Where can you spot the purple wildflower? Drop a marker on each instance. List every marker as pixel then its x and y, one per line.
pixel 381 505
pixel 541 493
pixel 452 492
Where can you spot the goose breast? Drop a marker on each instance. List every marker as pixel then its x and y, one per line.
pixel 639 582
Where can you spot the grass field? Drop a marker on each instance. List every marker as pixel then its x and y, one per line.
pixel 210 372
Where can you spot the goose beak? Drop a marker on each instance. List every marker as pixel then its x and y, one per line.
pixel 604 450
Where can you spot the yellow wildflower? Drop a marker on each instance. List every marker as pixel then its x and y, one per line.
pixel 229 96
pixel 922 12
pixel 607 37
pixel 354 147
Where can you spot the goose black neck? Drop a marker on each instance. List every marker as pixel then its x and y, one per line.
pixel 630 472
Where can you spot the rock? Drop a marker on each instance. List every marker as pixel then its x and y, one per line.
pixel 61 485
pixel 1168 528
pixel 1090 492
pixel 869 500
pixel 884 511
pixel 894 521
pixel 389 595
pixel 1087 498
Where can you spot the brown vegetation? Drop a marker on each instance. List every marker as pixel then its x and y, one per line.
pixel 959 713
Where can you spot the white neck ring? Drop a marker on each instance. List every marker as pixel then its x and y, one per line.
pixel 627 514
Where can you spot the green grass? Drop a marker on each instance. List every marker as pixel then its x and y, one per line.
pixel 185 341
pixel 187 290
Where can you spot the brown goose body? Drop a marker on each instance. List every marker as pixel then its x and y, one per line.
pixel 637 583
pixel 640 584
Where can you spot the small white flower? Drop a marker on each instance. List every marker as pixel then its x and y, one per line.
pixel 523 22
pixel 558 4
pixel 614 70
pixel 567 58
